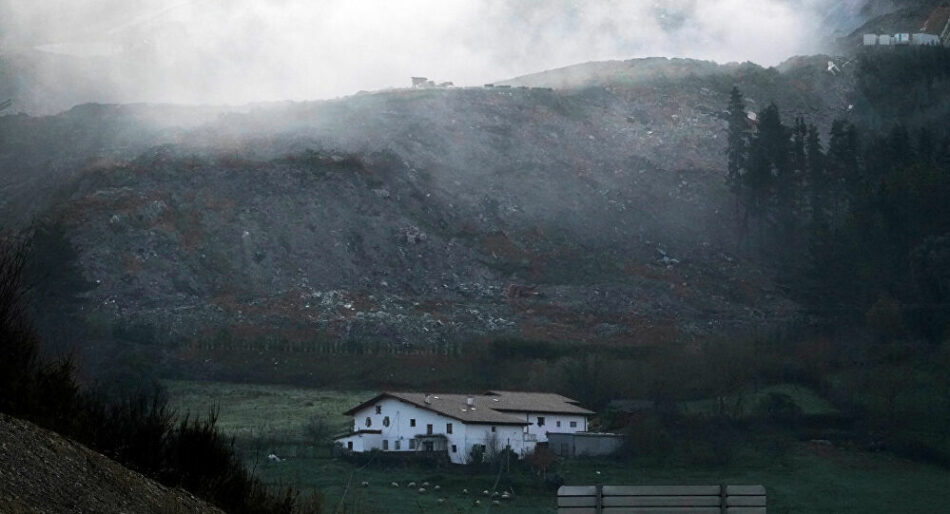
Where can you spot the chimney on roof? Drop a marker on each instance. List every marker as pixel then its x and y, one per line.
pixel 427 400
pixel 470 401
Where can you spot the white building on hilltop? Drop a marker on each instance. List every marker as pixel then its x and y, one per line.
pixel 902 39
pixel 455 423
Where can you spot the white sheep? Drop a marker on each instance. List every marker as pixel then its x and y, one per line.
pixel 440 500
pixel 436 488
pixel 425 484
pixel 422 490
pixel 395 484
pixel 411 484
pixel 485 492
pixel 505 496
pixel 495 502
pixel 273 458
pixel 464 491
pixel 365 484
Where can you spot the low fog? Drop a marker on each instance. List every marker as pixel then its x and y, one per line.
pixel 238 51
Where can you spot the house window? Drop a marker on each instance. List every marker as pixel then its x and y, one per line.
pixel 448 428
pixel 454 450
pixel 386 421
pixel 493 428
pixel 429 429
pixel 558 423
pixel 412 444
pixel 379 409
pixel 573 424
pixel 369 422
pixel 385 444
pixel 398 445
pixel 349 445
pixel 412 422
pixel 540 421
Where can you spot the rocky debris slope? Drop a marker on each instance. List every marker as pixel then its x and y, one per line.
pixel 42 472
pixel 418 217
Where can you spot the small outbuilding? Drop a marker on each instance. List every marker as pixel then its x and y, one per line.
pixel 922 39
pixel 590 444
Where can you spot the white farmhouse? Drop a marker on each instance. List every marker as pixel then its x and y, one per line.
pixel 455 423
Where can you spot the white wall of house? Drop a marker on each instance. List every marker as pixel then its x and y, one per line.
pixel 541 423
pixel 401 422
pixel 361 442
pixel 498 437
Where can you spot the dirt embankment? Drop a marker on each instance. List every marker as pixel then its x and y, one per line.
pixel 42 472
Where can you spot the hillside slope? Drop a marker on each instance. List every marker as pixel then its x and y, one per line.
pixel 40 471
pixel 417 218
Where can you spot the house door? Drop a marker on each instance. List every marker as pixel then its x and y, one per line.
pixel 429 446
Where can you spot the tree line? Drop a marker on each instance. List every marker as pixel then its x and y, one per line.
pixel 860 221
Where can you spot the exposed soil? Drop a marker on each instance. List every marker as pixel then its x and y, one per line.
pixel 42 472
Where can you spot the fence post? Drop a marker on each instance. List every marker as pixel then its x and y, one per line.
pixel 723 502
pixel 599 502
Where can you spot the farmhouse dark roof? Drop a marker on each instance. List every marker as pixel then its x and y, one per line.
pixel 520 401
pixel 450 405
pixel 494 407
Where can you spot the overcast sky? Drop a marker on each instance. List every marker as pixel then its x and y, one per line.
pixel 246 50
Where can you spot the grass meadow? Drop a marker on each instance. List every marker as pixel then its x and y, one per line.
pixel 802 478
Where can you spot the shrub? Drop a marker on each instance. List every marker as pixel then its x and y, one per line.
pixel 778 408
pixel 648 438
pixel 476 455
pixel 317 429
pixel 541 460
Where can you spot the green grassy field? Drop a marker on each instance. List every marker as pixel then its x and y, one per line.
pixel 249 411
pixel 807 478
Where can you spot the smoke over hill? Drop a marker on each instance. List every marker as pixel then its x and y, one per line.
pixel 213 51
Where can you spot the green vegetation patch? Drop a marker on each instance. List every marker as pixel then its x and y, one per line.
pixel 809 401
pixel 273 412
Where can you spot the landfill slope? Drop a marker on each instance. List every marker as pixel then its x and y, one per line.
pixel 594 211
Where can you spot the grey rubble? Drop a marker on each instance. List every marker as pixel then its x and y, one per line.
pixel 401 217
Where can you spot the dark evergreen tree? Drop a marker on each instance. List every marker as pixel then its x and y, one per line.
pixel 737 139
pixel 737 154
pixel 841 167
pixel 817 179
pixel 57 284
